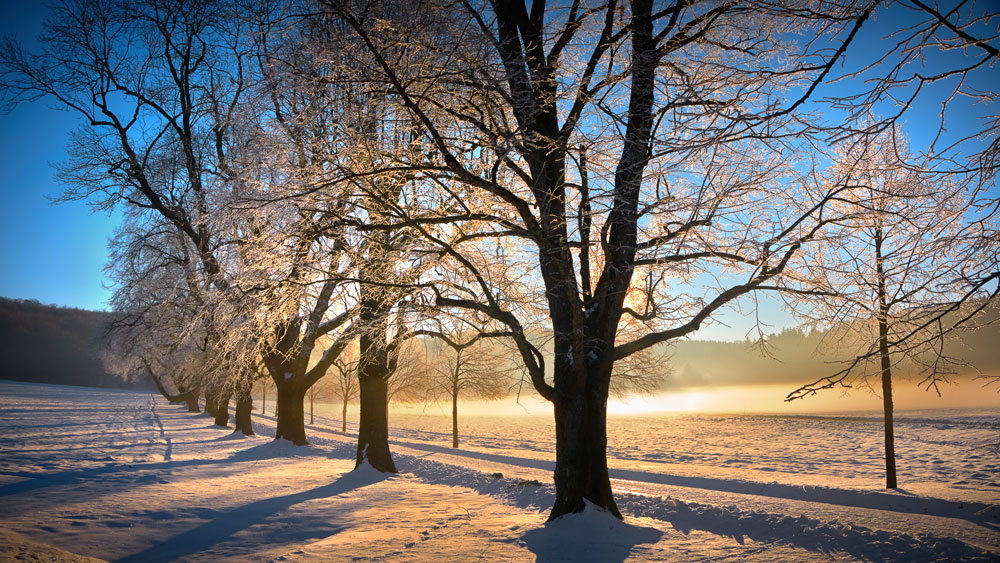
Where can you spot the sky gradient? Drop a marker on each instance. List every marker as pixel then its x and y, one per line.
pixel 54 253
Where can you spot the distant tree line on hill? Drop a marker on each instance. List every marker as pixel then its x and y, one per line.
pixel 795 355
pixel 62 345
pixel 49 344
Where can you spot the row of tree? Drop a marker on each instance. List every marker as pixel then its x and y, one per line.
pixel 582 181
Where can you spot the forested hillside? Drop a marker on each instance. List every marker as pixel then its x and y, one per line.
pixel 797 356
pixel 48 344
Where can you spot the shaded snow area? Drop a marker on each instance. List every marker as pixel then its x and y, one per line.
pixel 124 476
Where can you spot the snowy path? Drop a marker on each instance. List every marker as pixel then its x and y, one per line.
pixel 123 476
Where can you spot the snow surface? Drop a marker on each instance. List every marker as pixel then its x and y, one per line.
pixel 124 476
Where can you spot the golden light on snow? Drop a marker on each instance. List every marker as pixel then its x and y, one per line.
pixel 750 399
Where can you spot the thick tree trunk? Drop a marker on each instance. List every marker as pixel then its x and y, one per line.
pixel 454 418
pixel 374 369
pixel 373 428
pixel 243 419
pixel 211 403
pixel 244 406
pixel 581 456
pixel 291 416
pixel 191 398
pixel 222 410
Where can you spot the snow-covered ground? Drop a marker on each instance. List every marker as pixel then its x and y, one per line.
pixel 123 476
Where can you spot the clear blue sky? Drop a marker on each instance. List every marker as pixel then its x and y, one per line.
pixel 55 253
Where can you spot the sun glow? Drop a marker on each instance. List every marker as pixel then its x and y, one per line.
pixel 686 401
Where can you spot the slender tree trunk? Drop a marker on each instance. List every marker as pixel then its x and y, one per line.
pixel 454 416
pixel 343 418
pixel 890 440
pixel 263 400
pixel 291 416
pixel 244 406
pixel 581 456
pixel 172 399
pixel 883 348
pixel 312 400
pixel 222 410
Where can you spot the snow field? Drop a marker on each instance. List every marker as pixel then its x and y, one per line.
pixel 123 476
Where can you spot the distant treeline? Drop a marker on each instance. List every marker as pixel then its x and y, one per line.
pixel 48 344
pixel 798 356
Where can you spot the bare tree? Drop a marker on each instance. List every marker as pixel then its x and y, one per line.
pixel 935 59
pixel 576 145
pixel 344 386
pixel 886 270
pixel 471 366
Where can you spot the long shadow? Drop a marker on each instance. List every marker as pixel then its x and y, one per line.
pixel 550 544
pixel 144 471
pixel 861 543
pixel 509 460
pixel 227 523
pixel 899 501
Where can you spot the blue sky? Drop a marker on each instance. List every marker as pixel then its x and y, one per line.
pixel 55 253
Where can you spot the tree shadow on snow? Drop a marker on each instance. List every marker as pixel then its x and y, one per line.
pixel 224 524
pixel 592 535
pixel 861 543
pixel 115 475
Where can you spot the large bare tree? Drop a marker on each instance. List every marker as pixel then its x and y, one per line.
pixel 629 164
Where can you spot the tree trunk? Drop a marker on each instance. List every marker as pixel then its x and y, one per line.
pixel 291 416
pixel 263 400
pixel 222 410
pixel 343 419
pixel 312 401
pixel 581 456
pixel 454 417
pixel 373 428
pixel 883 348
pixel 211 403
pixel 172 399
pixel 890 440
pixel 191 398
pixel 244 406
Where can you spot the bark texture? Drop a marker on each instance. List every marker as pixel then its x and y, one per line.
pixel 291 414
